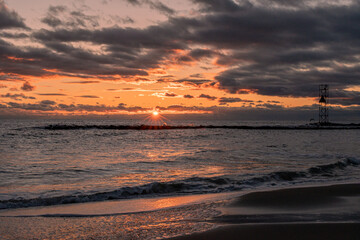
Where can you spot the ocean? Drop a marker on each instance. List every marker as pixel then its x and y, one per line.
pixel 41 165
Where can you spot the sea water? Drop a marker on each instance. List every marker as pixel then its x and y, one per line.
pixel 40 166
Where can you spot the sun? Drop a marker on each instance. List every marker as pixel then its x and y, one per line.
pixel 155 113
pixel 155 118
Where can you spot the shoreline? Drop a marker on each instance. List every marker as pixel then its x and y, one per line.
pixel 315 212
pixel 299 211
pixel 284 231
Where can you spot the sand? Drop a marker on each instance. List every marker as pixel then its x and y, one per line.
pixel 330 212
pixel 327 212
pixel 313 231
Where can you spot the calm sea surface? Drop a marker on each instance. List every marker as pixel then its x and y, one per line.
pixel 45 167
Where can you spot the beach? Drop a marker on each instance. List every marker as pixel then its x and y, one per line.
pixel 322 212
pixel 328 212
pixel 299 231
pixel 95 180
pixel 195 119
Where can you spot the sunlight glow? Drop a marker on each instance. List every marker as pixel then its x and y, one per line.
pixel 155 119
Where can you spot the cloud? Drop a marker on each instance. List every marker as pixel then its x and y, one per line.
pixel 16 96
pixel 51 106
pixel 165 94
pixel 10 19
pixel 82 82
pixel 233 100
pixel 88 96
pixel 157 5
pixel 7 77
pixel 345 98
pixel 221 5
pixel 47 102
pixel 32 106
pixel 193 82
pixel 263 47
pixel 13 35
pixel 207 96
pixel 51 94
pixel 196 75
pixel 124 20
pixel 61 16
pixel 170 94
pixel 280 52
pixel 27 87
pixel 266 111
pixel 188 96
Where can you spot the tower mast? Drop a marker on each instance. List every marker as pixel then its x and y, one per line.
pixel 323 104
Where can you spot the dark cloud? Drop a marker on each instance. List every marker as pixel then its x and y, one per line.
pixel 195 55
pixel 201 53
pixel 123 51
pixel 181 108
pixel 124 20
pixel 160 7
pixel 13 35
pixel 88 96
pixel 32 106
pixel 9 77
pixel 27 87
pixel 188 96
pixel 233 100
pixel 207 96
pixel 61 16
pixel 345 98
pixel 47 102
pixel 51 94
pixel 196 75
pixel 286 52
pixel 170 94
pixel 69 61
pixel 275 48
pixel 194 82
pixel 9 18
pixel 16 96
pixel 157 5
pixel 82 82
pixel 221 5
pixel 49 106
pixel 265 112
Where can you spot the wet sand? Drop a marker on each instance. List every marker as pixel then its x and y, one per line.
pixel 308 231
pixel 330 212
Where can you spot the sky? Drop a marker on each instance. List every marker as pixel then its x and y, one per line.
pixel 223 59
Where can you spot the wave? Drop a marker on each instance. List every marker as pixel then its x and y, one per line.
pixel 195 185
pixel 166 127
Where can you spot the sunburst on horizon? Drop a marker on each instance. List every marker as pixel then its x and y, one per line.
pixel 155 118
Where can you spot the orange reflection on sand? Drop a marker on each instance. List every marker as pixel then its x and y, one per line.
pixel 171 202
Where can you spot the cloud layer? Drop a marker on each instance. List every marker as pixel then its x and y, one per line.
pixel 269 47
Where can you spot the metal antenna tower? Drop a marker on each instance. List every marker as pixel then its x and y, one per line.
pixel 323 101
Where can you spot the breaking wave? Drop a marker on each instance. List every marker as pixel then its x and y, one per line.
pixel 195 185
